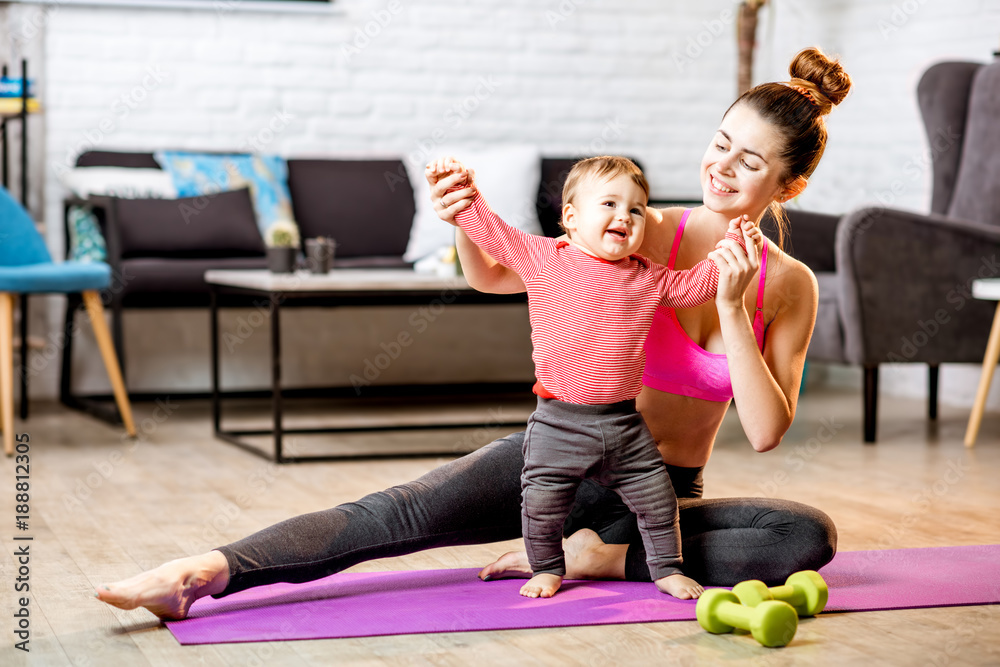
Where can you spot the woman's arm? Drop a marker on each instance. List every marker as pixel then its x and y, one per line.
pixel 766 387
pixel 481 271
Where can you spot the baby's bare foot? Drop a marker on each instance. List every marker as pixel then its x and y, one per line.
pixel 542 586
pixel 169 590
pixel 512 565
pixel 681 587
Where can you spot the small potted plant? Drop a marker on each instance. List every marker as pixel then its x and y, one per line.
pixel 282 241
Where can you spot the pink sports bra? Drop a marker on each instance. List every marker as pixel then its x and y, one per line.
pixel 676 364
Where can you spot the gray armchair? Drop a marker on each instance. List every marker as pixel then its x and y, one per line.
pixel 894 285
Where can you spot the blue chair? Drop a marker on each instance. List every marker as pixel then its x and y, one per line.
pixel 27 268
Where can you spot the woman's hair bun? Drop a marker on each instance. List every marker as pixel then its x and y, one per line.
pixel 828 76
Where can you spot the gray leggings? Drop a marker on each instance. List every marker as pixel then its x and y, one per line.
pixel 610 444
pixel 476 499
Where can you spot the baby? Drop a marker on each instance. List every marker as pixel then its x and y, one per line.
pixel 591 301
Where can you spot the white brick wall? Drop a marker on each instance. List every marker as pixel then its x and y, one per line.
pixel 662 70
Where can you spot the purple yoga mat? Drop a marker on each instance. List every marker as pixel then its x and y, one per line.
pixel 395 603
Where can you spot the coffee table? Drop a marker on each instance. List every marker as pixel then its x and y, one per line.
pixel 340 287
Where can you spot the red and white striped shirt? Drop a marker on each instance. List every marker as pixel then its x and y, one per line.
pixel 589 316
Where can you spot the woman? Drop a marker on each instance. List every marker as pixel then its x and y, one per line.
pixel 768 144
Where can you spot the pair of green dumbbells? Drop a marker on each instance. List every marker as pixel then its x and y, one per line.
pixel 770 614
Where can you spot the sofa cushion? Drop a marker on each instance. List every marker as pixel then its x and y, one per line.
pixel 86 243
pixel 205 173
pixel 827 342
pixel 810 237
pixel 165 283
pixel 550 187
pixel 366 206
pixel 117 159
pixel 118 182
pixel 508 178
pixel 219 225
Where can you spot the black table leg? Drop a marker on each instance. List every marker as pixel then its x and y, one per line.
pixel 871 402
pixel 214 337
pixel 932 391
pixel 276 378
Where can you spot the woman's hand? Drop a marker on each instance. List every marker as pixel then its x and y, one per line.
pixel 444 174
pixel 736 267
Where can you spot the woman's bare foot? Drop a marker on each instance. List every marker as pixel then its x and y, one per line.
pixel 542 586
pixel 587 557
pixel 169 590
pixel 681 587
pixel 512 565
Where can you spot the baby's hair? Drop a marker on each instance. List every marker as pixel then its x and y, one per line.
pixel 604 168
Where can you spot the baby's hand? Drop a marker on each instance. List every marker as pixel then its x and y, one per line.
pixel 751 233
pixel 446 166
pixel 746 232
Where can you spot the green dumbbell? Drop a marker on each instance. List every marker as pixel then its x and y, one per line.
pixel 805 591
pixel 772 623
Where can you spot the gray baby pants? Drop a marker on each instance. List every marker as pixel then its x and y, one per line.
pixel 566 443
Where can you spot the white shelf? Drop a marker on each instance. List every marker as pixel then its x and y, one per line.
pixel 987 288
pixel 216 6
pixel 338 280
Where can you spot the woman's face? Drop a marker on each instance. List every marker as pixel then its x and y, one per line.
pixel 741 170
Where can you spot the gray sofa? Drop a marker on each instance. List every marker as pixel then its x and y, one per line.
pixel 894 285
pixel 158 260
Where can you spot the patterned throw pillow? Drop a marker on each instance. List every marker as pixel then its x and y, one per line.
pixel 198 174
pixel 86 244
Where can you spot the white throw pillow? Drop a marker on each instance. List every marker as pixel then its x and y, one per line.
pixel 119 182
pixel 508 178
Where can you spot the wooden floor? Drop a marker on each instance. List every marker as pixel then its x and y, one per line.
pixel 103 509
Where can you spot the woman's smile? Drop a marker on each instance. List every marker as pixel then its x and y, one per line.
pixel 720 187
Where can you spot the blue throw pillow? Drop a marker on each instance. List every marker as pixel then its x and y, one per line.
pixel 198 174
pixel 86 244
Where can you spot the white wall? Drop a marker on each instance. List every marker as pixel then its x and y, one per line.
pixel 646 78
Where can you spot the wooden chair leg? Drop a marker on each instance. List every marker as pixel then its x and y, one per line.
pixel 7 370
pixel 92 299
pixel 989 365
pixel 23 372
pixel 871 402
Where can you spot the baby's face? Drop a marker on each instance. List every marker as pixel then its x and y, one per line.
pixel 607 218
